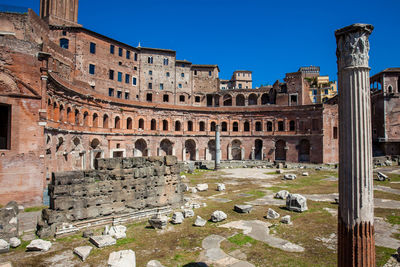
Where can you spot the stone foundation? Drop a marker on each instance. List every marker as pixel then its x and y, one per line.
pixel 117 186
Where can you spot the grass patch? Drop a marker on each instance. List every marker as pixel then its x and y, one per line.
pixel 70 238
pixel 256 193
pixel 393 219
pixel 383 254
pixel 125 241
pixel 36 208
pixel 241 239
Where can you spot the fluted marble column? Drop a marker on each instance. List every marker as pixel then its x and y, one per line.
pixel 217 147
pixel 356 244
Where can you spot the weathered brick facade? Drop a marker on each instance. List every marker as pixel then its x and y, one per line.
pixel 64 114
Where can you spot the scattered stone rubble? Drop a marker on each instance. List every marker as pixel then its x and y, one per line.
pixel 102 241
pixel 220 187
pixel 289 176
pixel 296 202
pixel 15 242
pixel 188 213
pixel 83 252
pixel 9 221
pixel 154 263
pixel 122 258
pixel 4 246
pixel 39 245
pixel 177 217
pixel 271 214
pixel 200 222
pixel 282 194
pixel 243 208
pixel 286 219
pixel 218 216
pixel 117 232
pixel 158 221
pixel 202 187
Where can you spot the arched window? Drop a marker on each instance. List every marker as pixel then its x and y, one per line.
pixel 240 101
pixel 69 115
pixel 61 113
pixel 292 126
pixel 227 100
pixel 64 43
pixel 212 127
pixel 105 121
pixel 246 126
pixel 281 126
pixel 153 125
pixel 202 126
pixel 390 89
pixel 181 98
pixel 252 99
pixel 235 126
pixel 165 98
pixel 269 126
pixel 224 126
pixel 141 124
pixel 258 126
pixel 129 123
pixel 117 123
pixel 265 99
pixel 165 125
pixel 177 125
pixel 85 118
pixel 190 126
pixel 77 119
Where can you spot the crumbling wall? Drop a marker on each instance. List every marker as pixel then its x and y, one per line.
pixel 116 186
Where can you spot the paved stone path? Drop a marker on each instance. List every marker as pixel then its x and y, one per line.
pixel 259 230
pixel 387 189
pixel 215 256
pixel 245 173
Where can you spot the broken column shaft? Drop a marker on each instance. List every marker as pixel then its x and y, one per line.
pixel 356 244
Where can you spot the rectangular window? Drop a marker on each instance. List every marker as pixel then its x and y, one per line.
pixel 197 99
pixel 150 72
pixel 150 60
pixel 119 94
pixel 112 47
pixel 182 74
pixel 135 57
pixel 5 127
pixel 195 72
pixel 335 133
pixel 92 48
pixel 120 76
pixel 120 51
pixel 167 74
pixel 133 80
pixel 150 86
pixel 126 95
pixel 240 86
pixel 209 73
pixel 128 54
pixel 166 61
pixel 161 86
pixel 314 92
pixel 180 85
pixel 111 74
pixel 110 92
pixel 127 78
pixel 326 91
pixel 91 69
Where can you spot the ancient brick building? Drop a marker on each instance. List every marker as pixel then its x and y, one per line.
pixel 69 95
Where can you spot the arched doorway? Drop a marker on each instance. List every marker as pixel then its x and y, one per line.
pixel 304 151
pixel 240 101
pixel 252 99
pixel 211 148
pixel 258 144
pixel 190 146
pixel 280 151
pixel 166 147
pixel 141 148
pixel 236 150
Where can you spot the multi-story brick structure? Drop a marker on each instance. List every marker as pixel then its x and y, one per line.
pixel 385 117
pixel 69 95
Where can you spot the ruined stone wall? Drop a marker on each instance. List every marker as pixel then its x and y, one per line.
pixel 116 186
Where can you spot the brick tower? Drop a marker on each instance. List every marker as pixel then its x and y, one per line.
pixel 60 12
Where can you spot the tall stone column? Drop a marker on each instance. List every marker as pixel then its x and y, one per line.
pixel 356 244
pixel 217 147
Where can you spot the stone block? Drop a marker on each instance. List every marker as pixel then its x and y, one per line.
pixel 154 263
pixel 188 213
pixel 4 246
pixel 122 258
pixel 102 241
pixel 286 219
pixel 158 222
pixel 170 160
pixel 221 187
pixel 200 222
pixel 202 187
pixel 282 194
pixel 289 176
pixel 177 218
pixel 15 242
pixel 83 252
pixel 296 202
pixel 243 208
pixel 39 245
pixel 271 214
pixel 218 216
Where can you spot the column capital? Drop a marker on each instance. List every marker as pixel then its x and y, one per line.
pixel 353 45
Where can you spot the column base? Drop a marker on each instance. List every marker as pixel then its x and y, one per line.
pixel 356 245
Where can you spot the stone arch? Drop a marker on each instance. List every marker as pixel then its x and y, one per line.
pixel 129 123
pixel 265 99
pixel 61 113
pixel 253 99
pixel 85 118
pixel 258 145
pixel 227 100
pixel 190 147
pixel 60 142
pixel 304 150
pixel 166 147
pixel 236 149
pixel 177 125
pixel 55 111
pixel 280 150
pixel 95 143
pixel 211 148
pixel 117 123
pixel 77 117
pixel 240 100
pixel 141 148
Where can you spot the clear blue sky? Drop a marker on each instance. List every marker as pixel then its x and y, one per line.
pixel 268 37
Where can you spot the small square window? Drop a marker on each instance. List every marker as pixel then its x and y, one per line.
pixel 112 47
pixel 64 33
pixel 180 85
pixel 120 76
pixel 166 61
pixel 150 72
pixel 120 51
pixel 182 74
pixel 134 68
pixel 128 54
pixel 197 99
pixel 167 74
pixel 126 95
pixel 92 69
pixel 182 98
pixel 161 86
pixel 133 80
pixel 150 86
pixel 110 92
pixel 119 94
pixel 92 48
